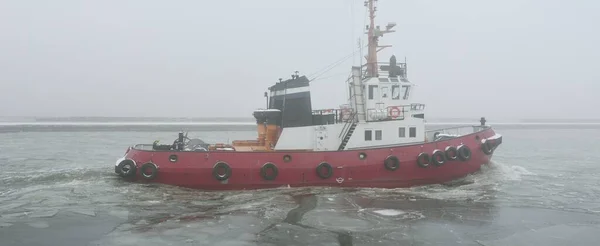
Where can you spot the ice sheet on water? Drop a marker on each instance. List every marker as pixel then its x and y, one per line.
pixel 39 224
pixel 563 234
pixel 389 212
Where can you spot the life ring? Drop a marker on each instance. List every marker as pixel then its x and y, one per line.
pixel 216 173
pixel 391 163
pixel 265 168
pixel 327 167
pixel 464 152
pixel 394 112
pixel 127 168
pixel 438 157
pixel 153 171
pixel 487 147
pixel 451 153
pixel 423 159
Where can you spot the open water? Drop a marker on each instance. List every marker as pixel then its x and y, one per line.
pixel 58 187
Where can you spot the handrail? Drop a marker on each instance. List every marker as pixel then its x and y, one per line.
pixel 452 132
pixel 348 124
pixel 385 73
pixel 454 127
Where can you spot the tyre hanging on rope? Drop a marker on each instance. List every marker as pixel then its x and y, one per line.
pixel 217 171
pixel 391 163
pixel 127 168
pixel 264 171
pixel 438 157
pixel 451 153
pixel 149 171
pixel 328 169
pixel 464 152
pixel 423 160
pixel 487 147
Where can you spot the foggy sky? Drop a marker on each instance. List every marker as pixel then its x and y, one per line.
pixel 469 58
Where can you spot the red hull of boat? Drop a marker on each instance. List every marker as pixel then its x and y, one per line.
pixel 195 169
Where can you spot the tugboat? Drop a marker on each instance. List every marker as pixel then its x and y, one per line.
pixel 377 140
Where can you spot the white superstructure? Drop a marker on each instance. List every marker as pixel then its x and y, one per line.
pixel 379 112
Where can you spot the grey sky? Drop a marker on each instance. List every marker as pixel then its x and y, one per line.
pixel 499 59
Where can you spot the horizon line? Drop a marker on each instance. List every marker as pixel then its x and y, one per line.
pixel 9 124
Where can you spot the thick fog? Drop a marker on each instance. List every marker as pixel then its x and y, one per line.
pixel 499 59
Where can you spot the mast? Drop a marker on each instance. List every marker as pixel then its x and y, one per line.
pixel 374 32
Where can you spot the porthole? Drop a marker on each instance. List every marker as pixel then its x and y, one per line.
pixel 362 155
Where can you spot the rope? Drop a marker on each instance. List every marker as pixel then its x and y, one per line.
pixel 331 66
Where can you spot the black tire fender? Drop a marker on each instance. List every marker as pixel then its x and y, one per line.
pixel 487 147
pixel 438 157
pixel 267 166
pixel 127 168
pixel 149 166
pixel 423 159
pixel 218 166
pixel 464 152
pixel 451 153
pixel 328 167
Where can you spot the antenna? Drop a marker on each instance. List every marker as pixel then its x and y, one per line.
pixel 374 32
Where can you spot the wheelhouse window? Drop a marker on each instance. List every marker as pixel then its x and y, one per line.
pixel 372 92
pixel 405 91
pixel 385 91
pixel 412 132
pixel 368 135
pixel 402 132
pixel 395 92
pixel 378 135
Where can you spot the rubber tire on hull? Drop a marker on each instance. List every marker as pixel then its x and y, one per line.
pixel 451 153
pixel 438 157
pixel 326 166
pixel 464 152
pixel 391 163
pixel 265 167
pixel 216 174
pixel 487 147
pixel 150 166
pixel 128 172
pixel 423 159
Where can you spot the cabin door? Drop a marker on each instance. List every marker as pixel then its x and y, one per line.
pixel 321 138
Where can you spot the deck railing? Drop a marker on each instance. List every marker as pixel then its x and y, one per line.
pixel 385 113
pixel 451 132
pixel 401 66
pixel 333 116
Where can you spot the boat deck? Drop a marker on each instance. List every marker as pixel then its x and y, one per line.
pixel 434 135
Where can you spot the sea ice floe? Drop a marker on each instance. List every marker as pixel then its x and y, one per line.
pixel 389 212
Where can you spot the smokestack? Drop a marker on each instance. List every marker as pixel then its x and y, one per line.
pixel 272 127
pixel 260 117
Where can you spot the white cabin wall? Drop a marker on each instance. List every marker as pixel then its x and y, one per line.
pixel 376 98
pixel 389 131
pixel 296 138
pixel 331 138
pixel 306 137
